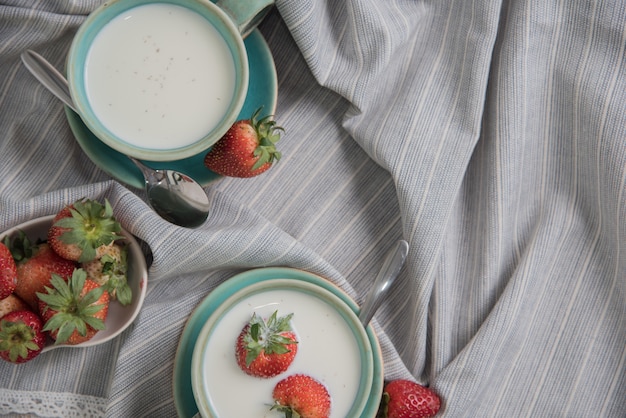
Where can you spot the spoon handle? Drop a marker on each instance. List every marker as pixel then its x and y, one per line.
pixel 49 76
pixel 391 268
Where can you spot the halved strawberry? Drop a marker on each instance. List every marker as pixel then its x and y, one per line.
pixel 407 399
pixel 8 272
pixel 35 265
pixel 79 229
pixel 302 396
pixel 247 149
pixel 75 310
pixel 266 349
pixel 21 336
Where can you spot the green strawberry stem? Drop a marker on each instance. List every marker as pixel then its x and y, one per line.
pixel 287 410
pixel 17 339
pixel 74 311
pixel 90 226
pixel 20 246
pixel 117 284
pixel 266 130
pixel 266 336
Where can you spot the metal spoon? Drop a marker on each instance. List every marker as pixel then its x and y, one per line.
pixel 175 196
pixel 389 271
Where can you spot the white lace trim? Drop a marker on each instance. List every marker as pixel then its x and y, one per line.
pixel 51 404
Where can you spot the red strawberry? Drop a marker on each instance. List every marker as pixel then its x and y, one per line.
pixel 266 349
pixel 8 272
pixel 407 399
pixel 79 229
pixel 35 265
pixel 12 303
pixel 75 310
pixel 301 396
pixel 21 336
pixel 247 149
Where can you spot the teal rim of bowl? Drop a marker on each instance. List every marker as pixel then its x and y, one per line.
pixel 92 26
pixel 343 309
pixel 183 392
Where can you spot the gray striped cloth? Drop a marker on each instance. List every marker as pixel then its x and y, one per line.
pixel 491 135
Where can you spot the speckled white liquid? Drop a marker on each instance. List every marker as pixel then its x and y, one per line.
pixel 159 76
pixel 327 350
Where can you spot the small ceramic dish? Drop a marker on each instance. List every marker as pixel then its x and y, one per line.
pixel 262 92
pixel 119 317
pixel 182 388
pixel 333 348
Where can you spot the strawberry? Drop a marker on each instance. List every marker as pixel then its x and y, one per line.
pixel 407 399
pixel 12 303
pixel 247 149
pixel 75 310
pixel 35 264
pixel 8 272
pixel 80 228
pixel 109 270
pixel 266 349
pixel 302 396
pixel 21 336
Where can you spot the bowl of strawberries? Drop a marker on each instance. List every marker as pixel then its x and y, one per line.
pixel 285 343
pixel 71 279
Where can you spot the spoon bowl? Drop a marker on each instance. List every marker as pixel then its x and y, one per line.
pixel 175 196
pixel 382 284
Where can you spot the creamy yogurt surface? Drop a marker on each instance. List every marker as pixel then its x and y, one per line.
pixel 159 76
pixel 327 350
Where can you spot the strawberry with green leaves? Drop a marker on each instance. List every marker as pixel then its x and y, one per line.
pixel 35 264
pixel 247 149
pixel 73 311
pixel 266 348
pixel 8 272
pixel 301 396
pixel 21 336
pixel 407 399
pixel 79 229
pixel 109 270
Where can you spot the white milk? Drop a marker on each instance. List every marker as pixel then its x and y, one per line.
pixel 159 76
pixel 327 350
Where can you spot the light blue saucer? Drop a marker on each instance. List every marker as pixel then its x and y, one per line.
pixel 262 91
pixel 183 390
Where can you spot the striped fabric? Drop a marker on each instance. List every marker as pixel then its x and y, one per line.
pixel 490 135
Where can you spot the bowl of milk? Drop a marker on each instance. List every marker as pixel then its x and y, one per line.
pixel 159 80
pixel 333 347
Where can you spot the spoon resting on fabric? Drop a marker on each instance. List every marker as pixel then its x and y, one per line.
pixel 389 271
pixel 175 196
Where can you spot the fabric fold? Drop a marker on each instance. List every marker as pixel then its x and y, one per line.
pixel 489 134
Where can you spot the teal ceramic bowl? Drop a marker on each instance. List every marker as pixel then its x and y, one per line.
pixel 333 347
pixel 79 51
pixel 184 400
pixel 262 92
